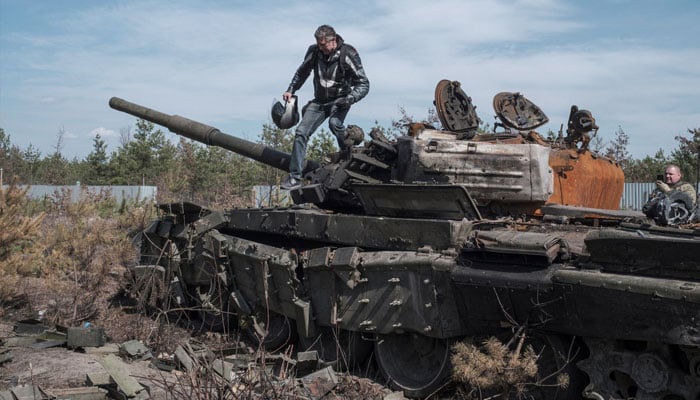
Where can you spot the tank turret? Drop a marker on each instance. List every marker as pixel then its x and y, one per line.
pixel 513 172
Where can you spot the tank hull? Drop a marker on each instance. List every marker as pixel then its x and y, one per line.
pixel 403 279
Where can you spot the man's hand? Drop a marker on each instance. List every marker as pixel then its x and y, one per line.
pixel 663 186
pixel 343 102
pixel 286 96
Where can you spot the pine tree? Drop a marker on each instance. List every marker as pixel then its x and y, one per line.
pixel 97 171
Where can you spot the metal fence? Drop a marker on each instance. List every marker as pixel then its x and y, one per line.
pixel 119 193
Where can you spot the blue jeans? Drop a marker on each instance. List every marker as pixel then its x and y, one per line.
pixel 313 116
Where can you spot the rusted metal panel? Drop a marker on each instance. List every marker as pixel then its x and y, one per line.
pixel 585 180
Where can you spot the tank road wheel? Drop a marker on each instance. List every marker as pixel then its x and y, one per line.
pixel 212 306
pixel 148 288
pixel 641 370
pixel 155 286
pixel 344 350
pixel 416 364
pixel 270 330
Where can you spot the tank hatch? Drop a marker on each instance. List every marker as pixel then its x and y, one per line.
pixel 517 112
pixel 455 109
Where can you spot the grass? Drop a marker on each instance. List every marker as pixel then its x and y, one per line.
pixel 62 256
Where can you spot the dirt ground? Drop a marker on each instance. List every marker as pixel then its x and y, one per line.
pixel 61 368
pixel 58 368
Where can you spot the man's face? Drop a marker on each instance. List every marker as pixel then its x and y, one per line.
pixel 672 175
pixel 327 44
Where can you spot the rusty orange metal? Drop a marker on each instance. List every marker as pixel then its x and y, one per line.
pixel 585 180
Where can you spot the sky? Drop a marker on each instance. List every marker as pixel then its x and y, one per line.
pixel 635 64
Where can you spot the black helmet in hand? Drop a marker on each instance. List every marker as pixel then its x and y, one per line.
pixel 286 115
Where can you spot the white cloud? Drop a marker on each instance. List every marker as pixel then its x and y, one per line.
pixel 69 135
pixel 103 132
pixel 222 63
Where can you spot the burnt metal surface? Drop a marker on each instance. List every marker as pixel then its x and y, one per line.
pixel 491 172
pixel 516 111
pixel 440 236
pixel 580 124
pixel 455 109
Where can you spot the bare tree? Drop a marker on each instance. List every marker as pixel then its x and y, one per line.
pixel 597 144
pixel 59 140
pixel 125 136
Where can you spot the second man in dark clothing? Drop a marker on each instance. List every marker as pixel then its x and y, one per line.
pixel 339 82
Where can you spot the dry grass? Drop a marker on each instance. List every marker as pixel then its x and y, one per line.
pixel 20 248
pixel 491 368
pixel 67 258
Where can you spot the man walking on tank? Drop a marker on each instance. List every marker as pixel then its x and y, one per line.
pixel 339 81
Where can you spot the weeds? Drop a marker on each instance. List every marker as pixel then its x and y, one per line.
pixel 492 365
pixel 73 249
pixel 20 246
pixel 493 369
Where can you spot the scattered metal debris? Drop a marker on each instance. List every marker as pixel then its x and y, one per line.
pixel 5 356
pixel 319 383
pixel 79 337
pixel 164 362
pixel 28 392
pixel 135 349
pixel 29 327
pixel 307 362
pixel 123 382
pixel 81 393
pixel 243 369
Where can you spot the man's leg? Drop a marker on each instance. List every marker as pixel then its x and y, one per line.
pixel 312 118
pixel 336 123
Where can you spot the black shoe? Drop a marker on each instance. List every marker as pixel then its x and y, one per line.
pixel 290 183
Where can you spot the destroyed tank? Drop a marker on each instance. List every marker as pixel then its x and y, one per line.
pixel 402 248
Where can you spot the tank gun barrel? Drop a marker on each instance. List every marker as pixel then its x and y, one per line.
pixel 207 134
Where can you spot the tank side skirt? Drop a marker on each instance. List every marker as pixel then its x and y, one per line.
pixel 569 300
pixel 374 292
pixel 636 307
pixel 347 230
